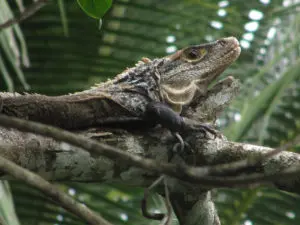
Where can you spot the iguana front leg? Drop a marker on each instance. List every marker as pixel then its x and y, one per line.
pixel 160 113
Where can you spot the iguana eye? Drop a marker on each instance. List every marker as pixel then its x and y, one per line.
pixel 194 54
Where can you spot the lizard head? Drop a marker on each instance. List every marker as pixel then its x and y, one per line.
pixel 188 72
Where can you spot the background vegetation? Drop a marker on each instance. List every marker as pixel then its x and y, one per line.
pixel 60 50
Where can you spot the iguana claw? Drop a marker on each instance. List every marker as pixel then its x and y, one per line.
pixel 202 127
pixel 179 148
pixel 191 125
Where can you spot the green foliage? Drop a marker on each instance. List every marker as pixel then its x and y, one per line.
pixel 63 16
pixel 116 203
pixel 13 52
pixel 7 208
pixel 261 206
pixel 264 103
pixel 95 8
pixel 71 57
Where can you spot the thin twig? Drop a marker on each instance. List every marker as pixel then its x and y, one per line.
pixel 144 203
pixel 167 220
pixel 25 14
pixel 50 190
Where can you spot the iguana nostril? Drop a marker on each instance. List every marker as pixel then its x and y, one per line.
pixel 222 42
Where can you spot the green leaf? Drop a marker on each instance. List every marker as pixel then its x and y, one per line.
pixel 264 102
pixel 63 16
pixel 95 8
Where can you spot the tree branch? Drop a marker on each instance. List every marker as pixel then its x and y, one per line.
pixel 180 171
pixel 195 209
pixel 50 190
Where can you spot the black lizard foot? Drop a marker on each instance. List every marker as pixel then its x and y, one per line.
pixel 177 149
pixel 191 125
pixel 180 148
pixel 206 128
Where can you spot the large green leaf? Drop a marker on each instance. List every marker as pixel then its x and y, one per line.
pixel 95 8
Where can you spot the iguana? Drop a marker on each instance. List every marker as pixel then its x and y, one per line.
pixel 175 80
pixel 153 91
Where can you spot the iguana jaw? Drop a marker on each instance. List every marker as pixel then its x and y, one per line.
pixel 189 71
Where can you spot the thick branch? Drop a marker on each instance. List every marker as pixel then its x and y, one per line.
pixel 208 153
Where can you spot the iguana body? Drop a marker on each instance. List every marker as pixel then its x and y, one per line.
pixel 175 80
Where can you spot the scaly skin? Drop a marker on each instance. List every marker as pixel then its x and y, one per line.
pixel 175 80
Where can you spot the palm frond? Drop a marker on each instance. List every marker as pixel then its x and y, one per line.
pixel 268 69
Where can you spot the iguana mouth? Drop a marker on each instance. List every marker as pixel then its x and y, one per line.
pixel 234 48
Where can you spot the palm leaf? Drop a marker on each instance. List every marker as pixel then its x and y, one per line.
pixel 133 29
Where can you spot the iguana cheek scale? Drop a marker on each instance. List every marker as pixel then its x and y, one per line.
pixel 174 80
